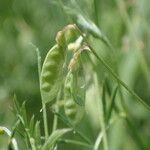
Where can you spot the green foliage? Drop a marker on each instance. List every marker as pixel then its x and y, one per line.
pixel 92 86
pixel 51 74
pixel 49 144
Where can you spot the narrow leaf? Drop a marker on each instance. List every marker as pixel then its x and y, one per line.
pixel 31 125
pixel 16 105
pixel 37 134
pixel 24 114
pixel 54 137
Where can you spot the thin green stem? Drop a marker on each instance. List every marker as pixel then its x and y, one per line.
pixel 129 123
pixel 101 113
pixel 98 141
pixel 55 121
pixel 95 3
pixel 77 143
pixel 114 74
pixel 120 81
pixel 134 133
pixel 43 104
pixel 112 104
pixel 45 120
pixel 100 135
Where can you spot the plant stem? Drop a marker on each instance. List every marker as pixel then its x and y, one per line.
pixel 55 121
pixel 101 112
pixel 98 141
pixel 114 74
pixel 77 143
pixel 43 104
pixel 129 123
pixel 45 120
pixel 120 81
pixel 95 3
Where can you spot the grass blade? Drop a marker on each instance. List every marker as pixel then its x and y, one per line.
pixel 31 125
pixel 37 133
pixel 16 105
pixel 43 104
pixel 50 142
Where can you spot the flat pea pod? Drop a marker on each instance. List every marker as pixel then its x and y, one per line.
pixel 73 111
pixel 78 90
pixel 51 74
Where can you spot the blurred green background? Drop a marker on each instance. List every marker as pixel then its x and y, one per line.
pixel 26 24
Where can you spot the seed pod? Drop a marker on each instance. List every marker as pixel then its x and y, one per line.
pixel 78 87
pixel 78 84
pixel 71 33
pixel 51 73
pixel 60 39
pixel 73 111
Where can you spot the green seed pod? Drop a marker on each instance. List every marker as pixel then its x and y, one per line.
pixel 71 33
pixel 78 84
pixel 73 111
pixel 60 39
pixel 78 88
pixel 51 73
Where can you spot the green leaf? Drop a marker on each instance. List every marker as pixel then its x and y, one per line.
pixel 31 125
pixel 54 137
pixel 16 105
pixel 37 134
pixel 21 119
pixel 78 87
pixel 24 113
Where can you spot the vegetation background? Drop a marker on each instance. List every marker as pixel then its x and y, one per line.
pixel 126 23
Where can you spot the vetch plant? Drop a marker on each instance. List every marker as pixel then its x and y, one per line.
pixel 63 86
